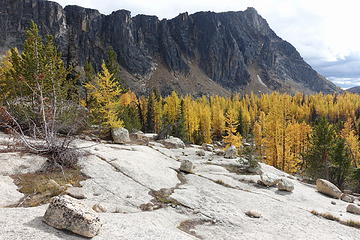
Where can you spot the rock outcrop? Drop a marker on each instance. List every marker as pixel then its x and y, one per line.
pixel 205 52
pixel 67 213
pixel 328 188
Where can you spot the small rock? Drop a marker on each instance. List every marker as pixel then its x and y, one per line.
pixel 328 188
pixel 187 166
pixel 68 213
pixel 285 185
pixel 347 198
pixel 208 147
pixel 253 214
pixel 99 208
pixel 174 142
pixel 269 179
pixel 231 152
pixel 87 138
pixel 120 135
pixel 333 202
pixel 128 196
pixel 200 153
pixel 219 152
pixel 347 191
pixel 147 207
pixel 352 208
pixel 75 192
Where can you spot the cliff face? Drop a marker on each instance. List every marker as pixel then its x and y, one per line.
pixel 201 53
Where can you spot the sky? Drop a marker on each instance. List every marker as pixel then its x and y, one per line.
pixel 325 32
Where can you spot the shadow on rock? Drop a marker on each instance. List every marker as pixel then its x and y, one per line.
pixel 283 193
pixel 38 224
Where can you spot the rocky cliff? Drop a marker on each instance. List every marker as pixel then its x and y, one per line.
pixel 202 53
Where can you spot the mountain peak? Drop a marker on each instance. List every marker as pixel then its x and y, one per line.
pixel 201 53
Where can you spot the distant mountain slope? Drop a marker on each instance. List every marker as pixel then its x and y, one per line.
pixel 202 53
pixel 355 90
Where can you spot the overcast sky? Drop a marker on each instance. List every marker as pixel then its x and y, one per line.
pixel 325 32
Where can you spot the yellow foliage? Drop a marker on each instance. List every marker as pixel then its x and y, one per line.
pixel 348 133
pixel 232 137
pixel 104 95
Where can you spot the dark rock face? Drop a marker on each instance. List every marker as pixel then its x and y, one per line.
pixel 355 90
pixel 198 54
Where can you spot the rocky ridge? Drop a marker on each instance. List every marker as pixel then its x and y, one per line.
pixel 201 53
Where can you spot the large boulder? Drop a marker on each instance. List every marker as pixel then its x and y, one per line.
pixel 285 185
pixel 70 214
pixel 187 166
pixel 352 208
pixel 174 142
pixel 269 179
pixel 328 188
pixel 120 135
pixel 231 152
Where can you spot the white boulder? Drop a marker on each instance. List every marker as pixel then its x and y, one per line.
pixel 187 166
pixel 174 142
pixel 269 179
pixel 328 188
pixel 285 185
pixel 120 135
pixel 68 213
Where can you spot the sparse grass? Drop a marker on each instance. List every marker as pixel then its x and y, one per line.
pixel 189 225
pixel 351 223
pixel 221 182
pixel 162 198
pixel 328 216
pixel 36 189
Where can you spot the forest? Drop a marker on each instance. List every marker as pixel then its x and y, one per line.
pixel 308 135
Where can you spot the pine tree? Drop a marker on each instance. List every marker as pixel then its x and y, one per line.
pixel 89 77
pixel 105 93
pixel 341 162
pixel 318 156
pixel 113 65
pixel 352 141
pixel 232 137
pixel 205 123
pixel 150 119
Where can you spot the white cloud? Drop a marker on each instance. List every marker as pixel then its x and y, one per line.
pixel 323 31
